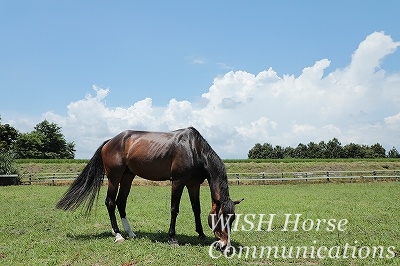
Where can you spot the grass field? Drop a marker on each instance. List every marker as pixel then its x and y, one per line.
pixel 33 232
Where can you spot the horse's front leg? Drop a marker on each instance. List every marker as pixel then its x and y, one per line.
pixel 177 189
pixel 194 195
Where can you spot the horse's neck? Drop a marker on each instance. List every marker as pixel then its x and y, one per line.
pixel 217 177
pixel 218 188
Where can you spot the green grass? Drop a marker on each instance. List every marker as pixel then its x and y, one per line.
pixel 33 232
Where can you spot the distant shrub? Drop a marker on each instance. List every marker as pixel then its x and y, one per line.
pixel 7 163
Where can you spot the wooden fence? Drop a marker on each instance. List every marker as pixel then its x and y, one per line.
pixel 313 176
pixel 48 178
pixel 240 178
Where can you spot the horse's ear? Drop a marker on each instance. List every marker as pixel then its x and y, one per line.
pixel 238 201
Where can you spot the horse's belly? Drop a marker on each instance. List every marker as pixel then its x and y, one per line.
pixel 154 177
pixel 152 171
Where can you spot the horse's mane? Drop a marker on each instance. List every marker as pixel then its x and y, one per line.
pixel 212 160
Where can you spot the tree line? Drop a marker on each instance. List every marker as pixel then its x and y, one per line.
pixel 329 150
pixel 45 142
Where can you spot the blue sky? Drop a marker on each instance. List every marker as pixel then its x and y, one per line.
pixel 236 70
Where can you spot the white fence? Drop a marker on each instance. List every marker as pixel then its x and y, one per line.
pixel 51 178
pixel 313 175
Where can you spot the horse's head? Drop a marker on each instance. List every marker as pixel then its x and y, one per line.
pixel 220 220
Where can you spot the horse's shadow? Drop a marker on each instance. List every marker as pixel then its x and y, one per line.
pixel 155 237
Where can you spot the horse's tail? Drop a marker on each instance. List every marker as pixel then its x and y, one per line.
pixel 86 186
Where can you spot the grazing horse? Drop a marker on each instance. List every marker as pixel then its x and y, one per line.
pixel 182 156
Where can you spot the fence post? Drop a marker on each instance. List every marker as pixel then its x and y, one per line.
pixel 30 179
pixel 237 179
pixel 327 176
pixel 374 173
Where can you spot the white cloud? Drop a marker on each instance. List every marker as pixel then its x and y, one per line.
pixel 225 66
pixel 366 60
pixel 257 130
pixel 196 60
pixel 358 102
pixel 393 121
pixel 178 114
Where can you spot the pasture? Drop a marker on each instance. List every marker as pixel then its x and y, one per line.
pixel 33 232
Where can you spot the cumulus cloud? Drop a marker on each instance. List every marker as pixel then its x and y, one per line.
pixel 357 103
pixel 393 121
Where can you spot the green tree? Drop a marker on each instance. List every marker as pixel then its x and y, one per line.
pixel 369 153
pixel 279 152
pixel 8 136
pixel 261 151
pixel 255 152
pixel 314 150
pixel 353 150
pixel 322 148
pixel 288 152
pixel 378 151
pixel 53 141
pixel 45 142
pixel 300 151
pixel 393 153
pixel 334 149
pixel 29 145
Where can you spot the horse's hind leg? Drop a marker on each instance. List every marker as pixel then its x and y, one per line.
pixel 194 195
pixel 110 204
pixel 125 187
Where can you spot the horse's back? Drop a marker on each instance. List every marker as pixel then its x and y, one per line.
pixel 151 155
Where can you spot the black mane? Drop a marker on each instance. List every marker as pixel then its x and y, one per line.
pixel 217 166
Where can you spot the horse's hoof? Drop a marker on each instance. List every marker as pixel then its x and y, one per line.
pixel 119 238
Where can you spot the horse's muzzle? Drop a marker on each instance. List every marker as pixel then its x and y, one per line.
pixel 221 246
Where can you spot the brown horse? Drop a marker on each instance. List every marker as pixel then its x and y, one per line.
pixel 182 156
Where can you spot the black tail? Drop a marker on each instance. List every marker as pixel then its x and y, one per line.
pixel 86 186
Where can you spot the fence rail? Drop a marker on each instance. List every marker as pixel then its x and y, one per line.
pixel 48 178
pixel 313 175
pixel 241 178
